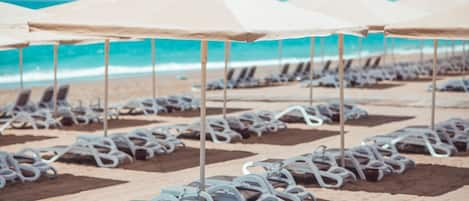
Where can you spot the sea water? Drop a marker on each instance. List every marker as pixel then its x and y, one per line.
pixel 133 58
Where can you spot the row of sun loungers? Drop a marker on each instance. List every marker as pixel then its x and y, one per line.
pixel 280 177
pixel 114 150
pixel 318 114
pixel 370 74
pixel 455 85
pixel 25 113
pixel 23 167
pixel 449 137
pixel 165 104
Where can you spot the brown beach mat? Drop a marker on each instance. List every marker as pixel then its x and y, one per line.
pixel 112 124
pixel 20 139
pixel 64 184
pixel 420 79
pixel 196 113
pixel 424 180
pixel 373 120
pixel 380 86
pixel 182 158
pixel 290 136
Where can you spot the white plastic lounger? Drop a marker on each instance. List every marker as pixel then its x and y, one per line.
pixel 182 193
pixel 218 130
pixel 11 170
pixel 310 115
pixel 413 140
pixel 103 150
pixel 397 162
pixel 365 167
pixel 281 181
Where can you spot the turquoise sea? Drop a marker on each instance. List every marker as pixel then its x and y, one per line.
pixel 85 62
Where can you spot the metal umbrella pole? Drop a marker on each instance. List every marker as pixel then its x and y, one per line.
pixel 203 59
pixel 106 85
pixel 280 51
pixel 341 96
pixel 20 66
pixel 153 69
pixel 56 84
pixel 311 71
pixel 435 63
pixel 360 43
pixel 225 76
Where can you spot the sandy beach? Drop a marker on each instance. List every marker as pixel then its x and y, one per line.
pixel 399 104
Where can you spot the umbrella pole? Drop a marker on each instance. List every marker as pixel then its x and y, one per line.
pixel 225 76
pixel 203 59
pixel 435 61
pixel 341 94
pixel 323 48
pixel 56 85
pixel 360 41
pixel 311 71
pixel 280 47
pixel 393 58
pixel 106 84
pixel 421 51
pixel 384 50
pixel 463 59
pixel 453 44
pixel 20 66
pixel 153 69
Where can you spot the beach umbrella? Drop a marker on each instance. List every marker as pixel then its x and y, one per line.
pixel 14 33
pixel 449 24
pixel 241 20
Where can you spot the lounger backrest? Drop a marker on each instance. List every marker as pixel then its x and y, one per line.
pixel 62 94
pixel 307 68
pixel 23 98
pixel 327 65
pixel 242 74
pixel 348 64
pixel 299 68
pixel 367 63
pixel 47 96
pixel 252 72
pixel 285 69
pixel 230 74
pixel 376 63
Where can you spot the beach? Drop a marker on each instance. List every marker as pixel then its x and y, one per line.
pixel 399 104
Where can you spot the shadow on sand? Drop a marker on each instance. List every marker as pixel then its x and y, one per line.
pixel 64 184
pixel 196 113
pixel 290 136
pixel 112 124
pixel 20 139
pixel 425 180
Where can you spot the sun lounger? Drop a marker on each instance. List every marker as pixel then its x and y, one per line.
pixel 140 145
pixel 456 85
pixel 297 72
pixel 218 130
pixel 454 131
pixel 280 77
pixel 305 74
pixel 248 187
pixel 103 150
pixel 332 111
pixel 160 135
pixel 414 140
pixel 363 166
pixel 23 114
pixel 300 113
pixel 13 171
pixel 305 168
pixel 394 160
pixel 281 180
pixel 182 193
